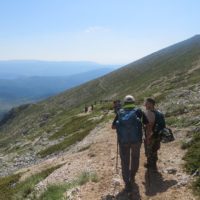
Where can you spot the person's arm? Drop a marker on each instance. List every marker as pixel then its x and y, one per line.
pixel 163 121
pixel 148 128
pixel 114 122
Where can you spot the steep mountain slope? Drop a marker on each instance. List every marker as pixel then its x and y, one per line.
pixel 41 129
pixel 163 70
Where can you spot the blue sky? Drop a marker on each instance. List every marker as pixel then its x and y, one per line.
pixel 104 31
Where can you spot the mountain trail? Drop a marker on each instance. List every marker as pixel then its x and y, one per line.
pixel 97 154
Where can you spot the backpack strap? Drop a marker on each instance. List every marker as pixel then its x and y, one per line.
pixel 159 122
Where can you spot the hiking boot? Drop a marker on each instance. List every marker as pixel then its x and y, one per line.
pixel 153 166
pixel 132 181
pixel 146 165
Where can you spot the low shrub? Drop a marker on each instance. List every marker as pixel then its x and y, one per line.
pixel 12 189
pixel 192 158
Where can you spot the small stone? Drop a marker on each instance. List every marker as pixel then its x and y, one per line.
pixel 170 170
pixel 113 158
pixel 91 155
pixel 116 182
pixel 71 193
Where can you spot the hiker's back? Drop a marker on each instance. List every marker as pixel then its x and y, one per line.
pixel 129 126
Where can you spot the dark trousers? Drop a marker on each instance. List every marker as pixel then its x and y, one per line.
pixel 130 156
pixel 151 151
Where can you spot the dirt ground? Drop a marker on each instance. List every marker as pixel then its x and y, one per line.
pixel 99 156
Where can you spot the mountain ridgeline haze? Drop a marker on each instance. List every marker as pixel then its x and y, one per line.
pixel 33 133
pixel 26 68
pixel 24 82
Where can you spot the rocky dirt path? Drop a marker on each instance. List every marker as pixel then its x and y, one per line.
pixel 169 183
pixel 97 154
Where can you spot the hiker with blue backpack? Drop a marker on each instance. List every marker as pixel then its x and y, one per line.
pixel 128 124
pixel 154 136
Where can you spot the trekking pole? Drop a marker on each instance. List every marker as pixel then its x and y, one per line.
pixel 117 156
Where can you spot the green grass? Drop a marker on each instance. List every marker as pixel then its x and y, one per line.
pixel 78 130
pixel 196 186
pixel 182 121
pixel 85 177
pixel 12 189
pixel 73 125
pixel 192 156
pixel 185 145
pixel 56 192
pixel 7 189
pixel 177 110
pixel 192 159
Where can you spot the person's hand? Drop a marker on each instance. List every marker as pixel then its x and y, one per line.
pixel 148 138
pixel 148 141
pixel 113 127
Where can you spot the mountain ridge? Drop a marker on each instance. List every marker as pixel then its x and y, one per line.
pixel 134 77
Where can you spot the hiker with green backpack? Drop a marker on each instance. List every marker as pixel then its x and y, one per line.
pixel 153 137
pixel 128 124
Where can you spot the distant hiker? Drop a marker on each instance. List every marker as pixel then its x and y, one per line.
pixel 153 139
pixel 86 109
pixel 92 107
pixel 117 106
pixel 128 124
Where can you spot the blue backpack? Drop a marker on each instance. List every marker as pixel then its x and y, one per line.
pixel 129 127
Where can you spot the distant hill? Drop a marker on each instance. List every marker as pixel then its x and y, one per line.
pixel 23 90
pixel 27 68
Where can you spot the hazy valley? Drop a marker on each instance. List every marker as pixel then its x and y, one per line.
pixel 23 82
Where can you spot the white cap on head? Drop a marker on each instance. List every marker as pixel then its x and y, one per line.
pixel 129 99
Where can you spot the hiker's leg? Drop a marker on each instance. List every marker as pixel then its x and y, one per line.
pixel 135 159
pixel 153 156
pixel 150 153
pixel 155 149
pixel 125 162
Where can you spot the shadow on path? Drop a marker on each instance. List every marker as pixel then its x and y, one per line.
pixel 154 183
pixel 134 195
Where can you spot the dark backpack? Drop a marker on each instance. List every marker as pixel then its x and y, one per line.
pixel 159 122
pixel 160 130
pixel 129 127
pixel 166 135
